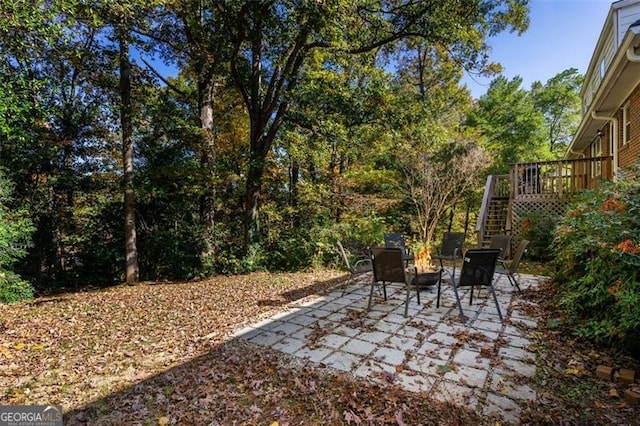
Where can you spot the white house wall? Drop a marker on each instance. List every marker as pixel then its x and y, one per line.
pixel 627 15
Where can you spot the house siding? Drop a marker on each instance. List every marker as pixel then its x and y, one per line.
pixel 627 16
pixel 630 152
pixel 605 57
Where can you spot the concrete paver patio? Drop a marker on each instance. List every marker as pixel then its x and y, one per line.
pixel 481 362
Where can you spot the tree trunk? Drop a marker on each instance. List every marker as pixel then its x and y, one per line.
pixel 252 197
pixel 131 250
pixel 206 96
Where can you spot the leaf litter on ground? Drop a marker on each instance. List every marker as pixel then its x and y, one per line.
pixel 161 353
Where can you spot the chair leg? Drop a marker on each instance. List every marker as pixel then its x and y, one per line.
pixel 495 299
pixel 515 282
pixel 384 290
pixel 438 297
pixel 406 303
pixel 455 291
pixel 471 297
pixel 497 279
pixel 373 283
pixel 347 284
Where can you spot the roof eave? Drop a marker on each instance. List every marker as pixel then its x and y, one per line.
pixel 621 78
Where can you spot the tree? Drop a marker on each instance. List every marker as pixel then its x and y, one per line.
pixel 131 249
pixel 272 40
pixel 559 102
pixel 15 238
pixel 437 179
pixel 54 66
pixel 512 127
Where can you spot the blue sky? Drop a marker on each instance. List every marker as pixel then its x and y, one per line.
pixel 562 34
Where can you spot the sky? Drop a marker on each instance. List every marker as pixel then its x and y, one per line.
pixel 562 34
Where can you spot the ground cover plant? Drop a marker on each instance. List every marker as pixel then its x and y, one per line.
pixel 598 260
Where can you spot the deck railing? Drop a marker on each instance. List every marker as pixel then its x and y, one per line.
pixel 552 179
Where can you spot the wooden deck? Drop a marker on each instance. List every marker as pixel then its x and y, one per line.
pixel 545 185
pixel 557 179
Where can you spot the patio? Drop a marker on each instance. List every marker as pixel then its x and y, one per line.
pixel 483 363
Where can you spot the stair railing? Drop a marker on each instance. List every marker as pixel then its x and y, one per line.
pixel 497 186
pixel 484 207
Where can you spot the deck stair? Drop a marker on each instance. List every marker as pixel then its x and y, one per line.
pixel 496 221
pixel 494 215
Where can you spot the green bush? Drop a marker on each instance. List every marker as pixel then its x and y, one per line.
pixel 15 239
pixel 539 227
pixel 598 264
pixel 13 288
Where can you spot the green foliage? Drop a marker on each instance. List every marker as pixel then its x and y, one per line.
pixel 512 126
pixel 15 238
pixel 598 264
pixel 559 102
pixel 101 247
pixel 13 288
pixel 538 226
pixel 522 125
pixel 171 253
pixel 332 173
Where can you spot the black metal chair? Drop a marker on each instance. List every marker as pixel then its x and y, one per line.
pixel 388 267
pixel 478 269
pixel 361 265
pixel 511 270
pixel 396 240
pixel 503 243
pixel 451 249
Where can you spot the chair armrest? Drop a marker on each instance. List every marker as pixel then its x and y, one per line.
pixel 363 265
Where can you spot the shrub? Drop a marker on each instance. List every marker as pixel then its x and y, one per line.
pixel 13 288
pixel 598 264
pixel 539 227
pixel 15 239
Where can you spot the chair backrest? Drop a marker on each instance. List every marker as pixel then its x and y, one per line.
pixel 394 240
pixel 343 253
pixel 517 257
pixel 478 267
pixel 501 242
pixel 452 243
pixel 388 264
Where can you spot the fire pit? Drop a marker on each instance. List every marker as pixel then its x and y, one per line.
pixel 426 278
pixel 425 273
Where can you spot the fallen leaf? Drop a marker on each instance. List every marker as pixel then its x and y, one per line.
pixel 398 418
pixel 19 346
pixel 5 352
pixel 444 369
pixel 614 392
pixel 399 368
pixel 163 421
